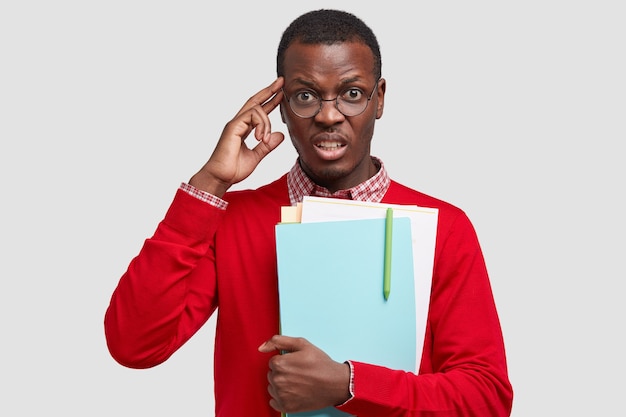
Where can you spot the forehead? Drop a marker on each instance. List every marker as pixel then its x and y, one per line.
pixel 315 62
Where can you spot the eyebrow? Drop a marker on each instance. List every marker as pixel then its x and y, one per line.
pixel 312 85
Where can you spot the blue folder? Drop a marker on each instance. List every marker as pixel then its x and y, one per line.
pixel 330 282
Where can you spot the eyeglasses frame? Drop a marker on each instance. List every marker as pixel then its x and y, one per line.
pixel 336 100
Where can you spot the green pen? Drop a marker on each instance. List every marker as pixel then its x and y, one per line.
pixel 387 266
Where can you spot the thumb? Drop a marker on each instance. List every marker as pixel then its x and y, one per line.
pixel 282 343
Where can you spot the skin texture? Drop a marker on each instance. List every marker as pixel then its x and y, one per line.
pixel 334 150
pixel 329 70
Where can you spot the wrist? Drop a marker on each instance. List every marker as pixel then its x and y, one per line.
pixel 209 183
pixel 345 384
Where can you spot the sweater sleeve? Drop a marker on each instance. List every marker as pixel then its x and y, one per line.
pixel 463 369
pixel 169 289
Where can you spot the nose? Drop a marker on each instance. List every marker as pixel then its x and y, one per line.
pixel 329 113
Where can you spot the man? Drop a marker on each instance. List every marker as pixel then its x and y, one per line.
pixel 216 248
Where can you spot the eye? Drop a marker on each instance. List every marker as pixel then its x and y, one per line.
pixel 305 97
pixel 352 95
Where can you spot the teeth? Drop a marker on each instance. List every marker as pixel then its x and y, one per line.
pixel 329 145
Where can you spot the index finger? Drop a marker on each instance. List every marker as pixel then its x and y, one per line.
pixel 268 98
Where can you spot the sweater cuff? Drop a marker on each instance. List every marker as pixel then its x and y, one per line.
pixel 191 216
pixel 370 393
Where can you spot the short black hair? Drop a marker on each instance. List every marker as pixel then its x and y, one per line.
pixel 326 26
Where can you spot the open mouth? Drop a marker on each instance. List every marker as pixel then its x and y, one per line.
pixel 329 146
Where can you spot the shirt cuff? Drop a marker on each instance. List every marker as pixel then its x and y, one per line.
pixel 351 386
pixel 204 196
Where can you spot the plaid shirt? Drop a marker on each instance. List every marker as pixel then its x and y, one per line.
pixel 300 185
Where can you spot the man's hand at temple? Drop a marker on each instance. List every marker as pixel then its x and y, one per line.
pixel 232 160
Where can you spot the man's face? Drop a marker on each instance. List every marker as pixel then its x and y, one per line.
pixel 334 149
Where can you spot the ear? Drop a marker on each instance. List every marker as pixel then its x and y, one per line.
pixel 380 97
pixel 282 112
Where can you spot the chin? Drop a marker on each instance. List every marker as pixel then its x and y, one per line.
pixel 329 175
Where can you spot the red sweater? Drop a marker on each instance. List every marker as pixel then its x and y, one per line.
pixel 201 258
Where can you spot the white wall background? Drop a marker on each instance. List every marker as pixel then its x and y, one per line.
pixel 513 111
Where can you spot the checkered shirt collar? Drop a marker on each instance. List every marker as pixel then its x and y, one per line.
pixel 373 189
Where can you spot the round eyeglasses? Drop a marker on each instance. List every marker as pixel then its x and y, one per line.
pixel 307 103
